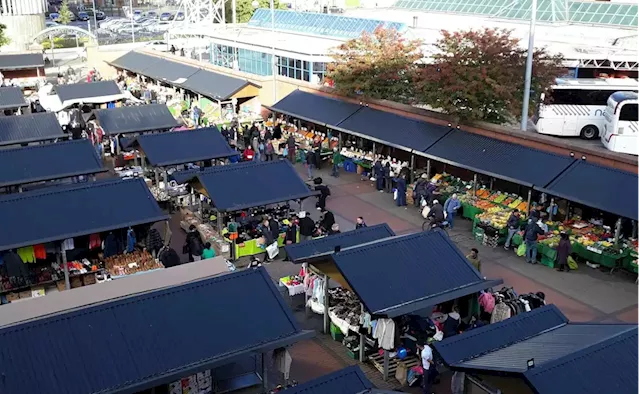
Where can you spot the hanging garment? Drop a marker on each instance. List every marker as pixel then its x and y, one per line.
pixel 111 246
pixel 154 240
pixel 94 241
pixel 14 265
pixel 27 255
pixel 68 244
pixel 282 360
pixel 457 383
pixel 384 332
pixel 40 252
pixel 131 241
pixel 500 312
pixel 487 301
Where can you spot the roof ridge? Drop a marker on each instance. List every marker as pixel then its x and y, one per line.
pixel 42 146
pixel 70 188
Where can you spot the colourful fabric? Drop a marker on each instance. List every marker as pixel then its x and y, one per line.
pixel 40 252
pixel 94 241
pixel 27 255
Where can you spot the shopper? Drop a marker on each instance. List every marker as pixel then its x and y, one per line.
pixel 173 50
pixel 426 354
pixel 208 252
pixel 193 245
pixel 513 226
pixel 360 222
pixel 291 237
pixel 530 236
pixel 334 163
pixel 335 229
pixel 436 214
pixel 386 172
pixel 401 191
pixel 562 253
pixel 420 190
pixel 307 226
pixel 269 239
pixel 310 163
pixel 269 152
pixel 324 193
pixel 450 207
pixel 474 259
pixel 328 220
pixel 248 154
pixel 291 149
pixel 378 173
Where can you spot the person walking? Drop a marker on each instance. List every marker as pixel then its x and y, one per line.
pixel 474 259
pixel 334 162
pixel 310 163
pixel 378 172
pixel 322 198
pixel 530 236
pixel 426 355
pixel 193 245
pixel 269 239
pixel 208 252
pixel 562 253
pixel 360 222
pixel 450 207
pixel 307 226
pixel 513 226
pixel 291 149
pixel 401 194
pixel 291 237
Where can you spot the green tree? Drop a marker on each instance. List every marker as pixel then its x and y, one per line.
pixel 245 9
pixel 65 14
pixel 479 75
pixel 382 65
pixel 4 40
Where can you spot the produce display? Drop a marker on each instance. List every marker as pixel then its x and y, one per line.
pixel 495 217
pixel 485 199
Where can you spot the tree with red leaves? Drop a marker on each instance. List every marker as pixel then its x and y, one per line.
pixel 479 75
pixel 382 65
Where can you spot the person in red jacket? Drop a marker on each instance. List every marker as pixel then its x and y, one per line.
pixel 248 153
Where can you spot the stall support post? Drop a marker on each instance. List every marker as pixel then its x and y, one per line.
pixel 551 215
pixel 429 168
pixel 634 232
pixel 339 141
pixel 157 177
pixel 566 216
pixel 265 383
pixel 529 201
pixel 165 175
pixel 305 268
pixel 413 168
pixel 491 184
pixel 475 183
pixel 618 231
pixel 361 336
pixel 326 305
pixel 374 150
pixel 65 268
pixel 385 366
pixel 19 189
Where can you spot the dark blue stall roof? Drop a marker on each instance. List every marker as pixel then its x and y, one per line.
pixel 136 62
pixel 22 129
pixel 135 119
pixel 69 211
pixel 317 248
pixel 394 130
pixel 83 90
pixel 325 111
pixel 215 85
pixel 179 147
pixel 350 380
pixel 169 71
pixel 419 270
pixel 252 184
pixel 499 159
pixel 48 162
pixel 608 189
pixel 140 342
pixel 11 97
pixel 585 358
pixel 21 61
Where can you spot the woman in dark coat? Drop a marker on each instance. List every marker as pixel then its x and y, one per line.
pixel 563 252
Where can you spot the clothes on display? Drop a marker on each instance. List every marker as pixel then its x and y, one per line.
pixel 282 360
pixel 154 241
pixel 507 303
pixel 131 240
pixel 27 254
pixel 384 332
pixel 68 244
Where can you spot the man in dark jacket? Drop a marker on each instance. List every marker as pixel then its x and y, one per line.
pixel 193 245
pixel 436 214
pixel 307 226
pixel 378 172
pixel 328 220
pixel 530 236
pixel 310 163
pixel 322 198
pixel 513 225
pixel 274 227
pixel 291 149
pixel 267 234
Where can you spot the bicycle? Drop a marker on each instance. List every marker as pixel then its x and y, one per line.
pixel 444 226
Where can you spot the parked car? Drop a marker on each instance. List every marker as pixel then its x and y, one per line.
pixel 99 14
pixel 152 15
pixel 160 46
pixel 166 17
pixel 83 16
pixel 49 24
pixel 179 16
pixel 137 15
pixel 54 16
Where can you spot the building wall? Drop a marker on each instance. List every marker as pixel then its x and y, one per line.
pixel 24 19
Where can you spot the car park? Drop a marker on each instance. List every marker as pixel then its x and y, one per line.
pixel 166 16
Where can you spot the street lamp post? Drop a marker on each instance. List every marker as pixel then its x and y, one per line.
pixel 95 17
pixel 527 77
pixel 133 35
pixel 274 65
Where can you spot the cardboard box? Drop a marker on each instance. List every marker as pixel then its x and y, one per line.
pixel 13 297
pixel 25 294
pixel 38 292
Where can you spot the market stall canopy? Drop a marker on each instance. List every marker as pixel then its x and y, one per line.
pixel 101 92
pixel 394 130
pixel 140 342
pixel 580 358
pixel 246 185
pixel 219 86
pixel 37 163
pixel 21 129
pixel 350 380
pixel 11 97
pixel 135 119
pixel 180 147
pixel 499 159
pixel 608 189
pixel 405 274
pixel 322 110
pixel 136 62
pixel 322 247
pixel 58 302
pixel 62 212
pixel 21 61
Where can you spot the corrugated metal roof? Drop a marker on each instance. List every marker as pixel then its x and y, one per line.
pixel 610 366
pixel 11 97
pixel 139 342
pixel 419 270
pixel 70 211
pixel 500 159
pixel 608 189
pixel 135 62
pixel 215 85
pixel 84 90
pixel 47 162
pixel 315 108
pixel 29 128
pixel 230 189
pixel 20 61
pixel 349 380
pixel 393 130
pixel 135 119
pixel 169 71
pixel 306 250
pixel 479 341
pixel 179 147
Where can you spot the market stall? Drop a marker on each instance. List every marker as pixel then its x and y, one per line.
pixel 107 236
pixel 26 129
pixel 235 199
pixel 422 275
pixel 147 318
